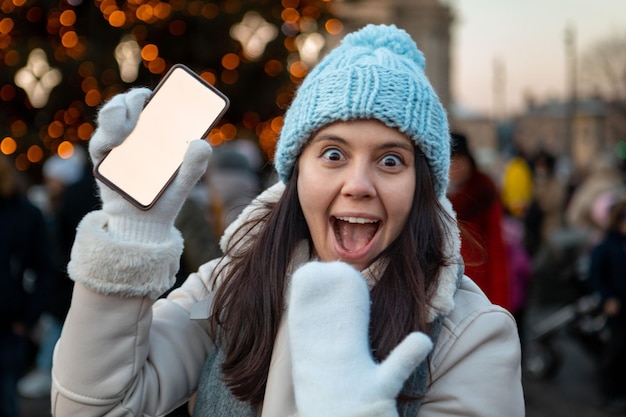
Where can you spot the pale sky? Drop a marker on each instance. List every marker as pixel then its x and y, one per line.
pixel 528 38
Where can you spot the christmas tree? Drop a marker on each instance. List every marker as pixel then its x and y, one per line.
pixel 59 62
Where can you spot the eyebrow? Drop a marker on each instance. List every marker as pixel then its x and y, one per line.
pixel 387 145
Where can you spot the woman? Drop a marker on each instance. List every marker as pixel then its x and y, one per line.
pixel 281 325
pixel 476 200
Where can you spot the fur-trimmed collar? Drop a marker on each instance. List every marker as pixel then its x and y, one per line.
pixel 442 301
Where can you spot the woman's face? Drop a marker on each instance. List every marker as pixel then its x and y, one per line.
pixel 356 186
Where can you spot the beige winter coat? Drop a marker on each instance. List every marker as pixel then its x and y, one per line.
pixel 129 356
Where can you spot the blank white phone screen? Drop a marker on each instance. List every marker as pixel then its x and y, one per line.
pixel 181 110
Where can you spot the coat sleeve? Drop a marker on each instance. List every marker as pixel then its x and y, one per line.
pixel 476 368
pixel 129 356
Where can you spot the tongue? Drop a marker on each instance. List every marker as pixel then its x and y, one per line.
pixel 355 236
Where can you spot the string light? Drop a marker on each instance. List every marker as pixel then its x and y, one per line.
pixel 128 57
pixel 37 78
pixel 254 33
pixel 309 46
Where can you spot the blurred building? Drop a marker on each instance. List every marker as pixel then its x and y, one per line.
pixel 429 23
pixel 595 126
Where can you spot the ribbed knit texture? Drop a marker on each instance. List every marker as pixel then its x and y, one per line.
pixel 375 73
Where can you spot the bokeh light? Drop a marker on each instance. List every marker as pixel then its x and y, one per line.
pixel 8 145
pixel 65 149
pixel 333 26
pixel 230 61
pixel 67 18
pixel 150 52
pixel 34 153
pixel 85 130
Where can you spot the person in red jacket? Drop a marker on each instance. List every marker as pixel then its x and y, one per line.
pixel 476 201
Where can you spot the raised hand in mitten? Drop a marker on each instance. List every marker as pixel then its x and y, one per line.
pixel 115 121
pixel 124 249
pixel 334 373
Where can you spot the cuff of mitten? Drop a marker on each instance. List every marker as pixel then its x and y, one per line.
pixel 138 230
pixel 107 264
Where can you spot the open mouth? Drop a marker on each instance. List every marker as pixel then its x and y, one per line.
pixel 354 233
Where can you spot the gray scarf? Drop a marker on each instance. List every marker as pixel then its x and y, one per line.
pixel 214 399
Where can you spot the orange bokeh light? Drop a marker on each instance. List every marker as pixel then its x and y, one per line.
pixel 89 83
pixel 273 67
pixel 276 124
pixel 65 149
pixel 145 12
pixel 298 69
pixel 215 137
pixel 34 154
pixel 5 41
pixel 117 19
pixel 93 98
pixel 12 58
pixel 290 15
pixel 334 26
pixel 150 52
pixel 68 18
pixel 8 145
pixel 7 92
pixel 55 129
pixel 209 77
pixel 157 66
pixel 6 25
pixel 85 131
pixel 229 131
pixel 69 39
pixel 230 61
pixel 251 120
pixel 18 128
pixel 210 11
pixel 178 27
pixel 162 10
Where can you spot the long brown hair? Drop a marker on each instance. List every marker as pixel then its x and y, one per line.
pixel 249 304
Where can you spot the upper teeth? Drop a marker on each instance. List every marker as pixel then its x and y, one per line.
pixel 360 220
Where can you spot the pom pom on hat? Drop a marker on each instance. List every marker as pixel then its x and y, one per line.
pixel 396 41
pixel 375 73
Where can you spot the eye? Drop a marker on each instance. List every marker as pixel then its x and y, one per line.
pixel 391 160
pixel 333 154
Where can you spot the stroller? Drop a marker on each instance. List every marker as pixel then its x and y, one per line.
pixel 582 320
pixel 571 309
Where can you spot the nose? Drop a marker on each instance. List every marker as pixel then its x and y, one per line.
pixel 359 182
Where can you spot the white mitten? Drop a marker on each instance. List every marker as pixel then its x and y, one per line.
pixel 115 121
pixel 333 370
pixel 123 249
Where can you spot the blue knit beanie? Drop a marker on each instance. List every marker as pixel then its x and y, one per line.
pixel 375 73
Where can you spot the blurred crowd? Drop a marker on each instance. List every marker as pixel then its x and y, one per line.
pixel 536 236
pixel 531 238
pixel 38 223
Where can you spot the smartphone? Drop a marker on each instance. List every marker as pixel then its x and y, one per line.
pixel 183 107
